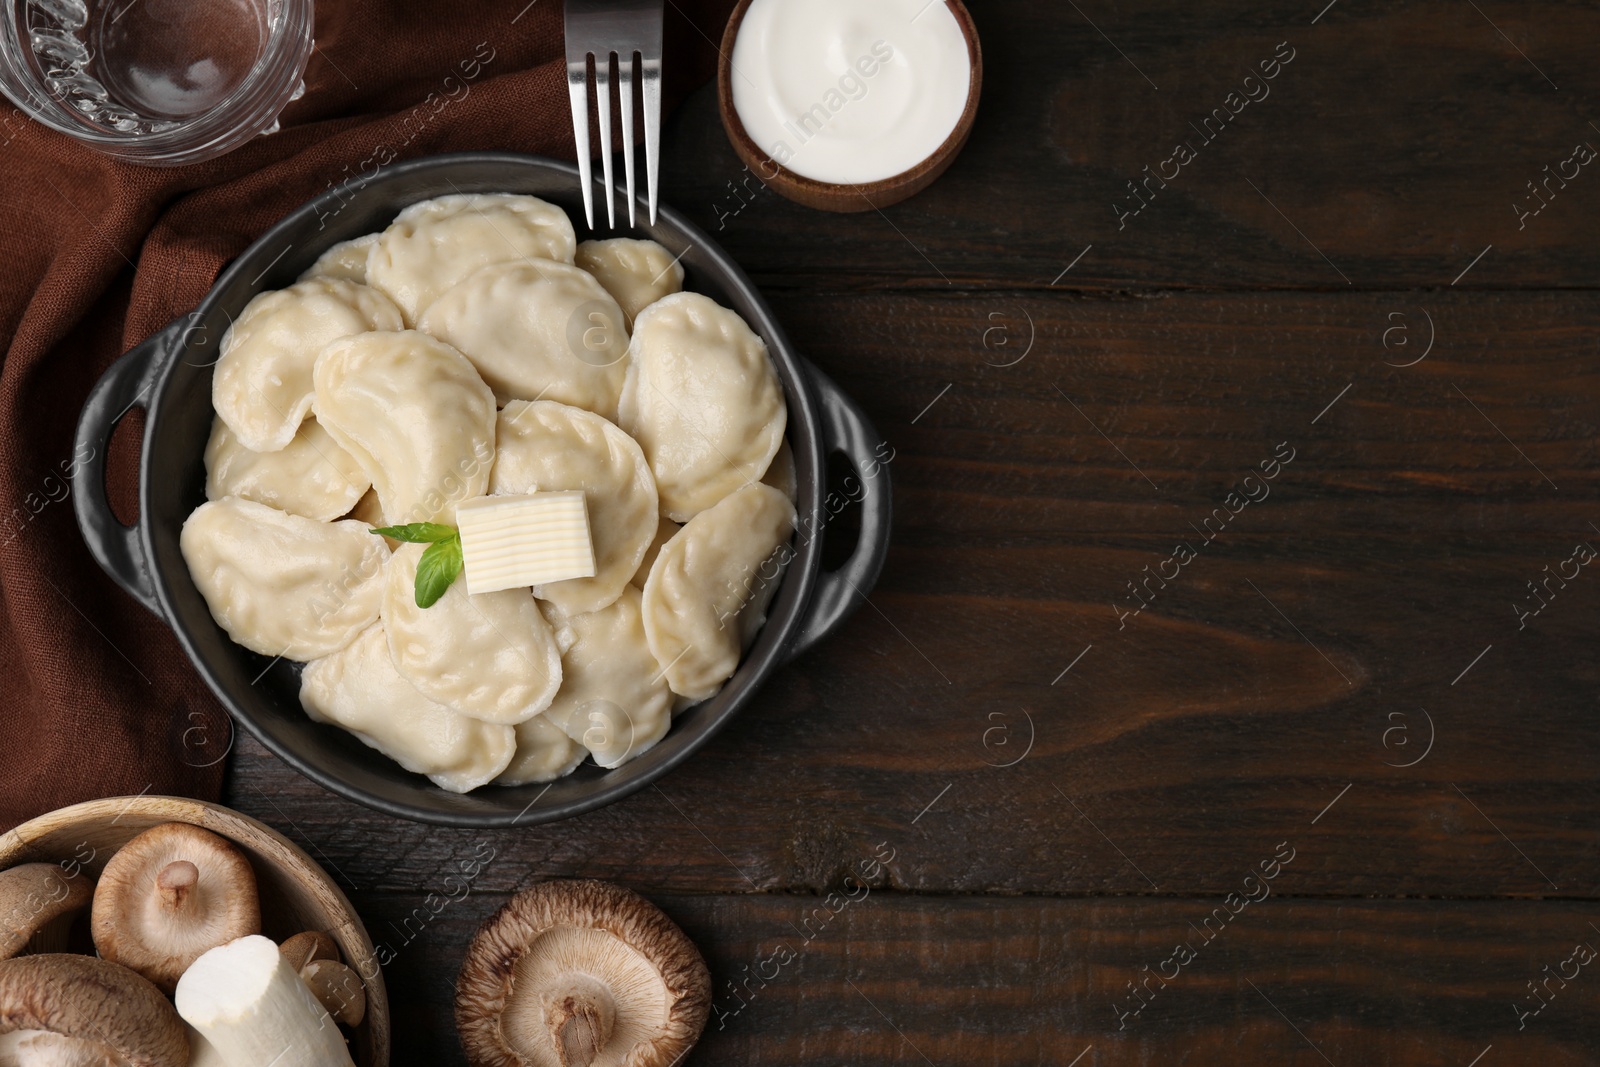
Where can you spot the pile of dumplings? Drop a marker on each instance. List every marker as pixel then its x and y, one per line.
pixel 474 347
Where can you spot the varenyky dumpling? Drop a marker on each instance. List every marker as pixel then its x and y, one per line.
pixel 702 400
pixel 360 690
pixel 705 577
pixel 262 383
pixel 781 476
pixel 544 754
pixel 544 447
pixel 347 260
pixel 537 330
pixel 769 576
pixel 368 389
pixel 281 584
pixel 310 476
pixel 432 246
pixel 491 656
pixel 614 698
pixel 414 414
pixel 636 273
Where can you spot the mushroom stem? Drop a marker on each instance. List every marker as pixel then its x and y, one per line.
pixel 243 999
pixel 580 1023
pixel 176 883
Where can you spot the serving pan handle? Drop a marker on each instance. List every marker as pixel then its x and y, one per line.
pixel 128 382
pixel 847 430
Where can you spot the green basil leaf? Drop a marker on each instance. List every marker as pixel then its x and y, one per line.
pixel 439 566
pixel 418 533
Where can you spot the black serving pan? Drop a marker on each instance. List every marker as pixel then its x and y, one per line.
pixel 169 375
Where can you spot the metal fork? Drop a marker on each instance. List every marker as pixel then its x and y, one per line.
pixel 623 28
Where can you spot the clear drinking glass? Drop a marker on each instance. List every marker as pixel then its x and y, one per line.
pixel 158 82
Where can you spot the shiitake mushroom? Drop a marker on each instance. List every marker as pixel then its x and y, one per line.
pixel 169 895
pixel 578 973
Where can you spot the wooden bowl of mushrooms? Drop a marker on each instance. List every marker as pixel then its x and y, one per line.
pixel 160 932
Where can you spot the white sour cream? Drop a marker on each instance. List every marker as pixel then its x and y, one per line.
pixel 849 91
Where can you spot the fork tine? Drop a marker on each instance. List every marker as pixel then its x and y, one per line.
pixel 625 28
pixel 602 94
pixel 578 89
pixel 652 124
pixel 625 98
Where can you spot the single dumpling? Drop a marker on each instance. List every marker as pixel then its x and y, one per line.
pixel 705 577
pixel 432 245
pixel 664 531
pixel 702 400
pixel 614 699
pixel 310 476
pixel 414 414
pixel 544 754
pixel 769 577
pixel 262 383
pixel 281 584
pixel 636 273
pixel 491 656
pixel 537 331
pixel 347 260
pixel 546 447
pixel 359 689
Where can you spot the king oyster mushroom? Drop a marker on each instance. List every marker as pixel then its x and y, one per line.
pixel 61 1010
pixel 38 902
pixel 246 1001
pixel 170 894
pixel 580 974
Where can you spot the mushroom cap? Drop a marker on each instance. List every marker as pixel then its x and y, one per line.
pixel 307 947
pixel 34 895
pixel 585 941
pixel 110 1010
pixel 338 989
pixel 169 895
pixel 41 1048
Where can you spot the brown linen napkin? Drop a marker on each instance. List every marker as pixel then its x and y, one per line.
pixel 96 698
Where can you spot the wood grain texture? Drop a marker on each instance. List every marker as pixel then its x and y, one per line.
pixel 1304 650
pixel 1395 142
pixel 1350 665
pixel 886 978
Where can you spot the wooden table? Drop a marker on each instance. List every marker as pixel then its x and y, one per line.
pixel 1080 750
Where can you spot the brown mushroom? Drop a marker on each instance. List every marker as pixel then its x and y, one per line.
pixel 167 896
pixel 338 989
pixel 79 1011
pixel 569 974
pixel 38 902
pixel 307 947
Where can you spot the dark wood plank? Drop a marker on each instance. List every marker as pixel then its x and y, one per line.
pixel 1070 790
pixel 1388 152
pixel 1297 661
pixel 884 978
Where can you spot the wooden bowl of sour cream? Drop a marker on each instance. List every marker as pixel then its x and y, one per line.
pixel 849 106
